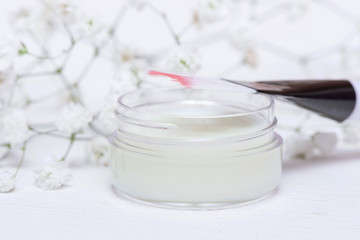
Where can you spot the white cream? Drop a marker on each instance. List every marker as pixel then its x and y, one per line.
pixel 204 159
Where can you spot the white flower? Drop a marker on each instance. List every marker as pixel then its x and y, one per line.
pixel 137 4
pixel 298 146
pixel 129 62
pixel 325 142
pixel 251 58
pixel 19 100
pixel 7 181
pixel 351 131
pixel 5 89
pixel 183 61
pixel 13 126
pixel 244 37
pixel 6 81
pixel 8 53
pixel 81 23
pixel 4 151
pixel 73 118
pixel 106 120
pixel 90 27
pixel 126 58
pixel 124 81
pixel 296 8
pixel 99 151
pixel 52 175
pixel 67 10
pixel 39 19
pixel 20 18
pixel 124 54
pixel 210 11
pixel 351 62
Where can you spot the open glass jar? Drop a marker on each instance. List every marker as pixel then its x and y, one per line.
pixel 195 149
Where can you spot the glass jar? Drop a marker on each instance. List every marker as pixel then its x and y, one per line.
pixel 195 149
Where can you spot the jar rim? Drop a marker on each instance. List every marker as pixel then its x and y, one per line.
pixel 215 140
pixel 121 99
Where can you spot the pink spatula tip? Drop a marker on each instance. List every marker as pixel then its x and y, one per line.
pixel 184 80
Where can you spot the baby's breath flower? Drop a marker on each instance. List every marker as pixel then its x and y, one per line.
pixel 351 62
pixel 126 57
pixel 73 118
pixel 183 61
pixel 39 20
pixel 245 40
pixel 251 58
pixel 20 18
pixel 67 10
pixel 7 181
pixel 8 53
pixel 99 151
pixel 351 132
pixel 4 150
pixel 89 27
pixel 124 81
pixel 13 126
pixel 243 37
pixel 210 11
pixel 106 121
pixel 124 54
pixel 298 146
pixel 296 8
pixel 325 142
pixel 137 4
pixel 53 175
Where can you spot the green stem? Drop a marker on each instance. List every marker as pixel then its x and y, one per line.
pixel 40 132
pixel 8 150
pixel 136 75
pixel 167 23
pixel 281 52
pixel 51 133
pixel 66 27
pixel 72 139
pixel 44 50
pixel 337 9
pixel 303 122
pixel 87 66
pixel 21 159
pixel 36 74
pixel 69 87
pixel 68 55
pixel 119 16
pixel 59 70
pixel 12 92
pixel 186 28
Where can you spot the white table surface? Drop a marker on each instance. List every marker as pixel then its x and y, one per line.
pixel 317 199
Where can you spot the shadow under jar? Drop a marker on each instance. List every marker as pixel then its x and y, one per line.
pixel 195 149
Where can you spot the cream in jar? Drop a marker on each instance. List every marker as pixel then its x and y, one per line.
pixel 196 149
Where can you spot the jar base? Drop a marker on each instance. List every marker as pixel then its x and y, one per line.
pixel 189 206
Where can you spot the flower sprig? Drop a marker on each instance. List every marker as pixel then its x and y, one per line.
pixel 35 52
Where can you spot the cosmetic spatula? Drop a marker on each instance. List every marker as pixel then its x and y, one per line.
pixel 335 99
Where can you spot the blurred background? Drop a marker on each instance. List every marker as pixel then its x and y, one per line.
pixel 93 51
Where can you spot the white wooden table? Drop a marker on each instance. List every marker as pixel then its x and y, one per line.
pixel 318 199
